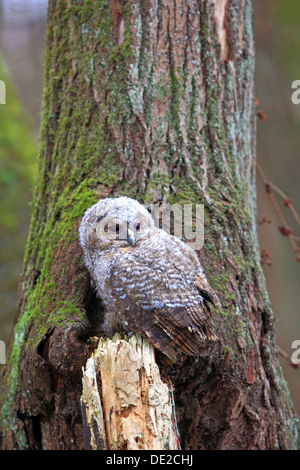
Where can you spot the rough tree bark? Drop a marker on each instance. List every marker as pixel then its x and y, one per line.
pixel 154 100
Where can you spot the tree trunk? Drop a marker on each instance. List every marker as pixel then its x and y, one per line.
pixel 153 100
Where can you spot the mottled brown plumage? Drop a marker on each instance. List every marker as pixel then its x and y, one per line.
pixel 150 282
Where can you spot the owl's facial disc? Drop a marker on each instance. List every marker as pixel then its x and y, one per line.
pixel 112 229
pixel 139 228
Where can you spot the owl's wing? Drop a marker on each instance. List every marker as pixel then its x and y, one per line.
pixel 162 304
pixel 206 291
pixel 157 327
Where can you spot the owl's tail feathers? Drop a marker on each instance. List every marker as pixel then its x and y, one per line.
pixel 161 342
pixel 170 339
pixel 171 331
pixel 208 334
pixel 174 340
pixel 171 335
pixel 180 337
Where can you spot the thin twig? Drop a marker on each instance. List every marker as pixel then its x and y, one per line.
pixel 285 355
pixel 287 201
pixel 284 229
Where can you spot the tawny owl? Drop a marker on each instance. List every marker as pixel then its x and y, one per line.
pixel 150 282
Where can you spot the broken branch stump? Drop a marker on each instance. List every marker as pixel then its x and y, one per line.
pixel 125 404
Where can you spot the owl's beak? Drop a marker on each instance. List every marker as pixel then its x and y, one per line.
pixel 130 237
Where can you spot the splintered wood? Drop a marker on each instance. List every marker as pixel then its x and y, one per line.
pixel 132 408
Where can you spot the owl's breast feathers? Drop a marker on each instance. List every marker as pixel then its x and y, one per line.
pixel 163 295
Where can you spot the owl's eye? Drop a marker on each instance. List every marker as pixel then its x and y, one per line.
pixel 138 227
pixel 112 228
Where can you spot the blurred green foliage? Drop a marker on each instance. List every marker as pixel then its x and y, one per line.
pixel 286 16
pixel 17 172
pixel 277 38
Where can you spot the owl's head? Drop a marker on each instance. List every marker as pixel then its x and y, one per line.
pixel 115 222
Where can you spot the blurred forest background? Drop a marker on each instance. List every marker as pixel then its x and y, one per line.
pixel 277 35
